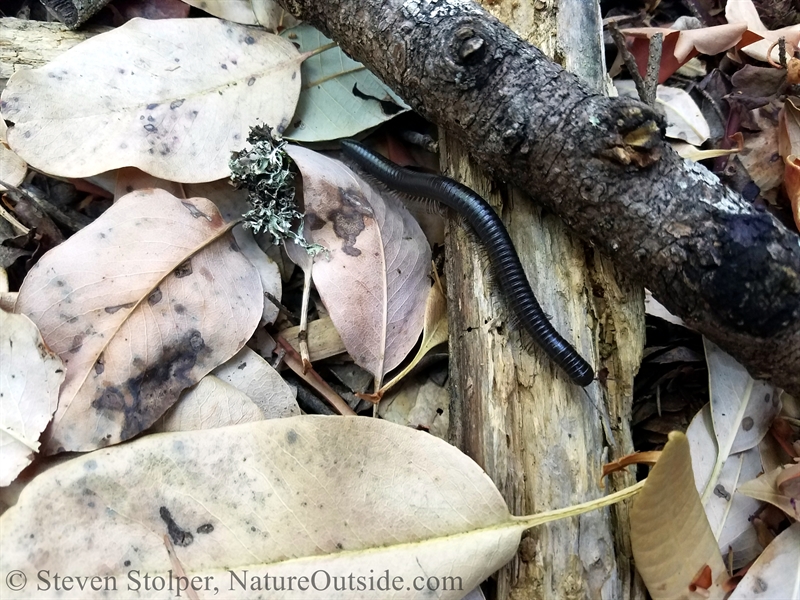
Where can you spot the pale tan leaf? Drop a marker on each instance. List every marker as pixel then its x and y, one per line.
pixel 12 168
pixel 679 46
pixel 267 498
pixel 434 332
pixel 255 377
pixel 30 375
pixel 766 488
pixel 776 573
pixel 209 404
pixel 374 278
pixel 172 97
pixel 419 403
pixel 684 119
pixel 232 204
pixel 744 12
pixel 139 305
pixel 742 408
pixel 266 13
pixel 670 536
pixel 686 150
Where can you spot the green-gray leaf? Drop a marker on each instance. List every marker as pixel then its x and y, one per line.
pixel 329 107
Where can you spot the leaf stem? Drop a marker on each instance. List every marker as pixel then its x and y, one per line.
pixel 578 509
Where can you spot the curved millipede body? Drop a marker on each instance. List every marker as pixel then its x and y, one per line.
pixel 502 255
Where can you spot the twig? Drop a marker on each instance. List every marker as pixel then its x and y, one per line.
pixel 653 65
pixel 646 94
pixel 312 378
pixel 74 222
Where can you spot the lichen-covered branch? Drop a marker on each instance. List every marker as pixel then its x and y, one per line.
pixel 728 269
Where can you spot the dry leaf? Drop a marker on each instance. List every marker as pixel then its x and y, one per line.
pixel 670 536
pixel 679 46
pixel 139 305
pixel 266 13
pixel 267 498
pixel 323 339
pixel 172 97
pixel 251 374
pixel 744 12
pixel 776 573
pixel 791 181
pixel 434 332
pixel 742 408
pixel 419 403
pixel 30 375
pixel 12 168
pixel 789 127
pixel 209 404
pixel 685 121
pixel 766 488
pixel 374 278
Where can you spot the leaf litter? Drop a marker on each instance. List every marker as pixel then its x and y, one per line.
pixel 736 437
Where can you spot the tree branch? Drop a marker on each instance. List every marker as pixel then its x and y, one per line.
pixel 728 269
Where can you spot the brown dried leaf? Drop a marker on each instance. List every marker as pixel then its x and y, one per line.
pixel 680 46
pixel 791 181
pixel 777 488
pixel 670 536
pixel 743 12
pixel 172 97
pixel 12 168
pixel 374 278
pixel 139 305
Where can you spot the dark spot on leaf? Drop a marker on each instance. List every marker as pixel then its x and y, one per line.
pixel 747 423
pixel 164 150
pixel 249 40
pixel 154 297
pixel 180 309
pixel 127 563
pixel 177 60
pixel 195 212
pixel 152 129
pixel 77 342
pixel 123 145
pixel 205 528
pixel 721 492
pixel 178 536
pixel 196 341
pixel 224 66
pixel 242 366
pixel 184 269
pixel 388 107
pixel 348 219
pixel 194 113
pixel 27 134
pixel 99 366
pixel 251 81
pixel 151 118
pixel 294 75
pixel 121 71
pixel 90 465
pixel 314 222
pixel 60 283
pixel 112 309
pixel 111 399
pixel 176 103
pixel 766 398
pixel 151 151
pixel 234 246
pixel 291 436
pixel 152 106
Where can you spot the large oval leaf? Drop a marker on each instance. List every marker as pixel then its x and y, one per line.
pixel 281 498
pixel 172 97
pixel 139 305
pixel 374 277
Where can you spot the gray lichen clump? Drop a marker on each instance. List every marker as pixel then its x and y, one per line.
pixel 265 170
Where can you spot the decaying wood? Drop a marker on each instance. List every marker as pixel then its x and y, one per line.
pixel 31 44
pixel 539 437
pixel 728 269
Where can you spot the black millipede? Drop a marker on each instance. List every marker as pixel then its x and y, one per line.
pixel 490 229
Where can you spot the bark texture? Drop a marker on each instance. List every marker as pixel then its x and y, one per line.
pixel 601 164
pixel 540 438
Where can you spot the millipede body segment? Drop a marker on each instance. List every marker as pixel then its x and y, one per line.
pixel 494 236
